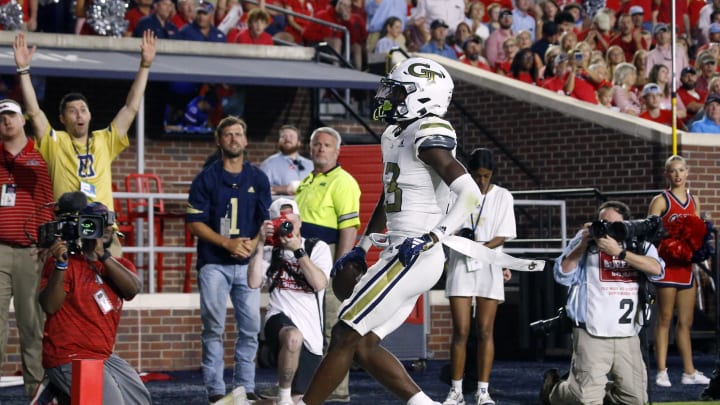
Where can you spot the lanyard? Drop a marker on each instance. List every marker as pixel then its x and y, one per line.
pixel 87 146
pixel 10 164
pixel 475 222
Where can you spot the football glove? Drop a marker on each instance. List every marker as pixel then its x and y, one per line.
pixel 411 247
pixel 355 255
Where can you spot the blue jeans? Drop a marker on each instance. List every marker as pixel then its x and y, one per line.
pixel 216 282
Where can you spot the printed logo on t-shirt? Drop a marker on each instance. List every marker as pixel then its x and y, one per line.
pixel 613 269
pixel 86 166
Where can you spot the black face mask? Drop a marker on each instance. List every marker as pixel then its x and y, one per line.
pixel 389 101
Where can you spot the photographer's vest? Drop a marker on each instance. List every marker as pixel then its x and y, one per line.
pixel 612 297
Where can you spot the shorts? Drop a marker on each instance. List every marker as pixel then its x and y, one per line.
pixel 384 297
pixel 308 361
pixel 485 281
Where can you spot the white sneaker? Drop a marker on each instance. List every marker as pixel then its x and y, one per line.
pixel 695 378
pixel 483 399
pixel 454 398
pixel 662 379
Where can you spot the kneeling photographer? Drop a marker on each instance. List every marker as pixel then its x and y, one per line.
pixel 606 266
pixel 297 271
pixel 82 292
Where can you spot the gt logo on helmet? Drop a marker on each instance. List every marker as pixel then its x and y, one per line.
pixel 423 70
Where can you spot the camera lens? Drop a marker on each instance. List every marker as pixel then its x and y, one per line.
pixel 88 228
pixel 285 228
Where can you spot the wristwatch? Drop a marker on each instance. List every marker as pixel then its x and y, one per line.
pixel 106 255
pixel 300 253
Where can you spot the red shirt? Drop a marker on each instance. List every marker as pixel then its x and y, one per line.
pixel 133 16
pixel 79 329
pixel 582 91
pixel 665 117
pixel 356 26
pixel 303 7
pixel 525 77
pixel 628 47
pixel 664 13
pixel 478 63
pixel 243 37
pixel 688 98
pixel 178 21
pixel 29 173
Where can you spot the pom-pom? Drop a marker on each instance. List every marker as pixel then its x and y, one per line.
pixel 688 240
pixel 11 16
pixel 107 17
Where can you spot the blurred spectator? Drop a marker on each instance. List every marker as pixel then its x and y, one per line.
pixel 415 34
pixel 133 16
pixel 706 64
pixel 614 56
pixel 549 37
pixel 340 14
pixel 662 53
pixel 549 10
pixel 286 168
pixel 565 22
pixel 202 28
pixel 523 39
pixel 604 96
pixel 661 15
pixel 566 82
pixel 462 33
pixel 452 12
pixel 713 40
pixel 690 96
pixel 159 21
pixel 493 16
pixel 510 49
pixel 624 96
pixel 257 20
pixel 639 60
pixel 437 43
pixel 660 75
pixel 628 38
pixel 598 71
pixel 522 20
pixel 548 69
pixel 495 43
pixel 599 34
pixel 185 13
pixel 581 57
pixel 568 40
pixel 474 18
pixel 577 12
pixel 392 36
pixel 710 124
pixel 378 12
pixel 704 21
pixel 296 25
pixel 637 15
pixel 523 67
pixel 473 53
pixel 652 110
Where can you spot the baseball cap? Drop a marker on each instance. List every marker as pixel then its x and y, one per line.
pixel 560 58
pixel 603 21
pixel 438 23
pixel 472 38
pixel 635 10
pixel 712 98
pixel 504 12
pixel 9 106
pixel 650 88
pixel 687 70
pixel 205 7
pixel 660 27
pixel 714 28
pixel 707 59
pixel 281 203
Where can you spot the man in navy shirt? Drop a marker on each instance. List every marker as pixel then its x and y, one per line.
pixel 228 202
pixel 438 44
pixel 202 28
pixel 159 21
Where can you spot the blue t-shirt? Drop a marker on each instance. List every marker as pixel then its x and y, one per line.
pixel 169 31
pixel 242 198
pixel 706 126
pixel 191 32
pixel 283 169
pixel 446 51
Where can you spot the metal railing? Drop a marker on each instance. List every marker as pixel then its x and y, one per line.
pixel 150 249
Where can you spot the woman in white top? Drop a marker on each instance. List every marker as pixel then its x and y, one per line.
pixel 492 223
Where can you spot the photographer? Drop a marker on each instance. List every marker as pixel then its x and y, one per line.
pixel 82 292
pixel 297 271
pixel 605 306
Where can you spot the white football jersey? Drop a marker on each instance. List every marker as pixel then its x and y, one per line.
pixel 416 198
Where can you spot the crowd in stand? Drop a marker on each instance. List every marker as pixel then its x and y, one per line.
pixel 603 53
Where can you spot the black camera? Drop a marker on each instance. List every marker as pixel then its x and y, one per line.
pixel 283 227
pixel 466 233
pixel 648 229
pixel 73 226
pixel 558 323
